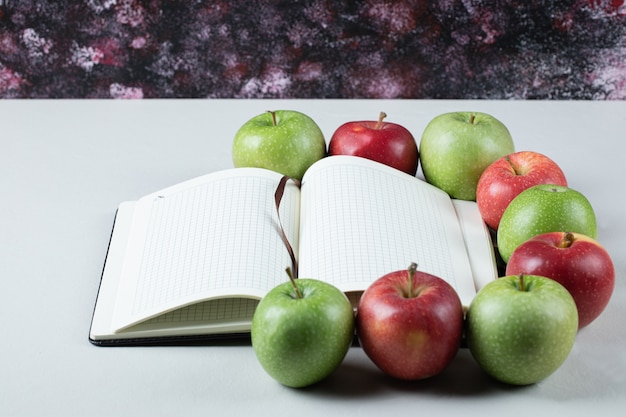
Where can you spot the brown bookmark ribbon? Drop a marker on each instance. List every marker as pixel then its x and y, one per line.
pixel 278 196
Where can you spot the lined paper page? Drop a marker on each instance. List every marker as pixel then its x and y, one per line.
pixel 214 236
pixel 361 220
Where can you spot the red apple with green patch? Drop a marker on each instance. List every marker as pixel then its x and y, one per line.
pixel 388 143
pixel 410 324
pixel 508 176
pixel 581 264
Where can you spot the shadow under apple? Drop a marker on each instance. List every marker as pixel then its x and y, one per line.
pixel 359 377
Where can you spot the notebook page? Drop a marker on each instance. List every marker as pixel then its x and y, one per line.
pixel 361 220
pixel 477 242
pixel 224 315
pixel 211 237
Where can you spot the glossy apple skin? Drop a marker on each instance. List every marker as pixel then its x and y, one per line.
pixel 542 209
pixel 521 335
pixel 581 264
pixel 455 149
pixel 289 147
pixel 390 144
pixel 301 341
pixel 508 176
pixel 410 338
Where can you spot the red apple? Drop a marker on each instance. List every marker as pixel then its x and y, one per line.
pixel 384 142
pixel 576 261
pixel 410 324
pixel 508 176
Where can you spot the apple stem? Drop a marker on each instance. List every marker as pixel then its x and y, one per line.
pixel 522 286
pixel 381 116
pixel 513 166
pixel 472 118
pixel 568 239
pixel 411 271
pixel 273 117
pixel 293 282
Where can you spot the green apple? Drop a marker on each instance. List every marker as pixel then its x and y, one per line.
pixel 521 328
pixel 457 147
pixel 285 141
pixel 541 209
pixel 301 331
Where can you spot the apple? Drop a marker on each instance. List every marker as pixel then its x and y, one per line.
pixel 541 209
pixel 410 324
pixel 581 264
pixel 508 176
pixel 388 143
pixel 285 141
pixel 457 147
pixel 302 330
pixel 521 328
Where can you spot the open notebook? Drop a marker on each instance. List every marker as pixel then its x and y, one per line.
pixel 193 260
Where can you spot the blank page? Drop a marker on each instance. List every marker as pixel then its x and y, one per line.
pixel 477 242
pixel 361 220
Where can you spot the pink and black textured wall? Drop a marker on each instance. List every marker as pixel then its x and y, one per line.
pixel 509 49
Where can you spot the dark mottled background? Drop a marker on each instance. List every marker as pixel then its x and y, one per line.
pixel 468 49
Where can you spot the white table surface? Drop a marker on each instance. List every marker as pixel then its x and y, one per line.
pixel 64 167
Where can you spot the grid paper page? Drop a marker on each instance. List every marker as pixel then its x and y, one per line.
pixel 220 310
pixel 360 221
pixel 230 314
pixel 217 238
